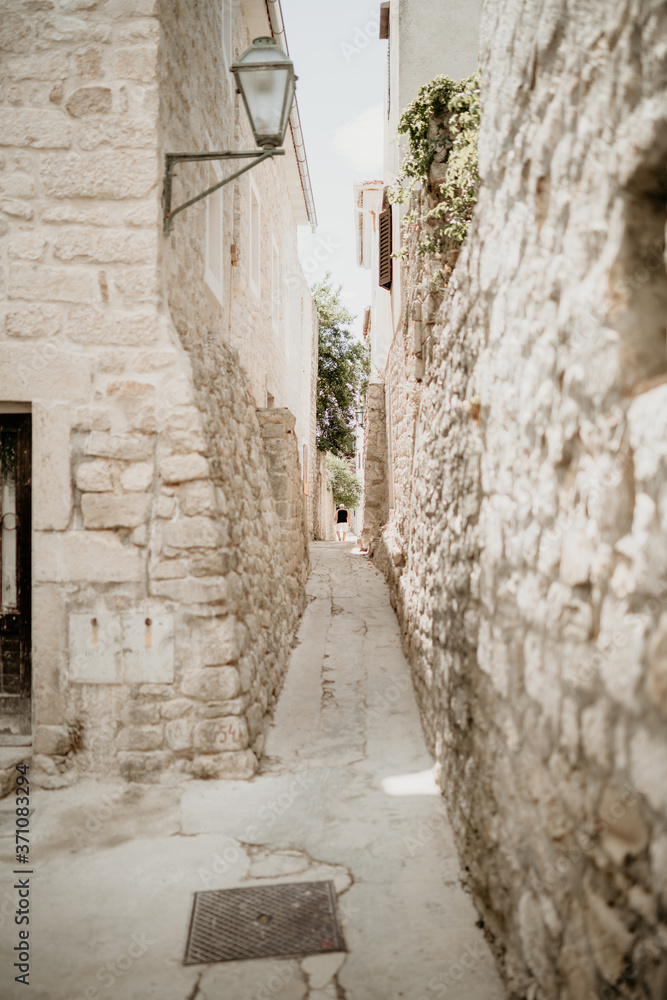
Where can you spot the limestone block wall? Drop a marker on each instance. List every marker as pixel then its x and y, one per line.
pixel 324 530
pixel 410 350
pixel 375 509
pixel 270 564
pixel 533 597
pixel 164 599
pixel 313 453
pixel 282 460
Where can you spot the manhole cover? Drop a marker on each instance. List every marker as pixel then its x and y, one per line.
pixel 295 918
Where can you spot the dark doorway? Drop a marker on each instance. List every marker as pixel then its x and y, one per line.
pixel 15 525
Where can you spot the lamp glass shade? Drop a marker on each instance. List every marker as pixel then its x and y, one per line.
pixel 265 79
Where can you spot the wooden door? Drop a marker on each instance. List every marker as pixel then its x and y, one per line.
pixel 15 577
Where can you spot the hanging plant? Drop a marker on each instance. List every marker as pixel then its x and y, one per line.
pixel 442 126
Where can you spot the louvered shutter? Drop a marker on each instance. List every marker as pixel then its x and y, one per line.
pixel 385 249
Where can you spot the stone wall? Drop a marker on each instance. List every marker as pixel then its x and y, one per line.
pixel 165 596
pixel 324 531
pixel 313 454
pixel 533 596
pixel 290 503
pixel 375 508
pixel 410 351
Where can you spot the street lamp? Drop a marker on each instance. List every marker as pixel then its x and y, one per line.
pixel 265 79
pixel 360 413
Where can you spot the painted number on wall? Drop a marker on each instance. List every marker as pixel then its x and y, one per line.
pixel 229 734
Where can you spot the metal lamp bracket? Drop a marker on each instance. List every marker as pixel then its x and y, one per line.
pixel 171 159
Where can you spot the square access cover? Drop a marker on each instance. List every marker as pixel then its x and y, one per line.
pixel 294 918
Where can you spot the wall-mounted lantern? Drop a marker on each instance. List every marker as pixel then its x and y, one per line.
pixel 265 79
pixel 360 414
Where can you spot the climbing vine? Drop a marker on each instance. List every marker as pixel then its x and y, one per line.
pixel 442 125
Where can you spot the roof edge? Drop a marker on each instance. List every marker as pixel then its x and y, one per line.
pixel 277 25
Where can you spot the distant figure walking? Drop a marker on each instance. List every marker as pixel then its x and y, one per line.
pixel 341 522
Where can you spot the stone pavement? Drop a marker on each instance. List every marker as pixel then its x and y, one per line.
pixel 346 793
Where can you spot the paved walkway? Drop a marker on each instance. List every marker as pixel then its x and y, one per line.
pixel 345 794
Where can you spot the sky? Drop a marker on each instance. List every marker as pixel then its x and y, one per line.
pixel 340 62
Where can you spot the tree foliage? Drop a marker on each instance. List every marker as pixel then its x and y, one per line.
pixel 345 484
pixel 342 374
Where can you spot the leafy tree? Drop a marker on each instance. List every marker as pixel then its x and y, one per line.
pixel 345 484
pixel 342 374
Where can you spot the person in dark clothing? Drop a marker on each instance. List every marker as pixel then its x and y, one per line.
pixel 341 523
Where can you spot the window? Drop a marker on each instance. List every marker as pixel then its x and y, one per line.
pixel 385 249
pixel 227 17
pixel 275 286
pixel 214 267
pixel 254 255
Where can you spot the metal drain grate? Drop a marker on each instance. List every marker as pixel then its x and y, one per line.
pixel 294 918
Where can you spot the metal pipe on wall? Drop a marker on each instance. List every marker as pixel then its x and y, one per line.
pixel 275 15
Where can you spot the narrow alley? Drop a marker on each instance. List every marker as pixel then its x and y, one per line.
pixel 345 793
pixel 274 272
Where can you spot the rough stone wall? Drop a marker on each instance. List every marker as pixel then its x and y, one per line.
pixel 313 453
pixel 282 459
pixel 375 508
pixel 391 454
pixel 164 598
pixel 423 286
pixel 534 592
pixel 324 530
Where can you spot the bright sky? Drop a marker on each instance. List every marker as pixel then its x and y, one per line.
pixel 340 62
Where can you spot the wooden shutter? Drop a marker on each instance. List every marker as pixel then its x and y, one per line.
pixel 384 19
pixel 385 249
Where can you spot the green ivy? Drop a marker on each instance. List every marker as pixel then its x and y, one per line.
pixel 444 117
